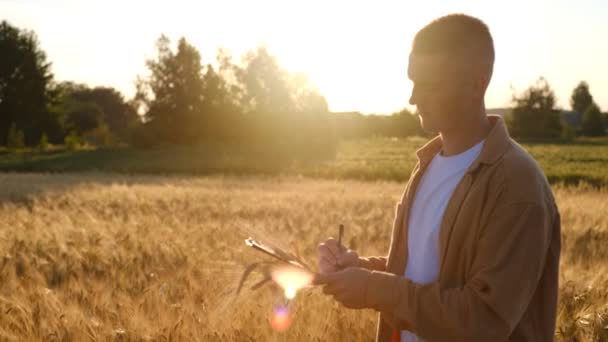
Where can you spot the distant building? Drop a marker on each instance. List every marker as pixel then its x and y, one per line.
pixel 572 118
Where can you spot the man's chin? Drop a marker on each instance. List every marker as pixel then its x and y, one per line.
pixel 428 126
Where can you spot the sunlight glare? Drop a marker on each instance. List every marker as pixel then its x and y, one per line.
pixel 291 279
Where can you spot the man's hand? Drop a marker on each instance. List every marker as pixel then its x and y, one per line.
pixel 333 258
pixel 348 286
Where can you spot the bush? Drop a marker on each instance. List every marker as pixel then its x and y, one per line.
pixel 568 132
pixel 16 138
pixel 144 136
pixel 43 145
pixel 593 125
pixel 72 141
pixel 100 136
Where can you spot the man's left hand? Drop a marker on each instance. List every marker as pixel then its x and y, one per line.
pixel 348 286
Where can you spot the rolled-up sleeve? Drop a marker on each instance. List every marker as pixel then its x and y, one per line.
pixel 373 263
pixel 509 261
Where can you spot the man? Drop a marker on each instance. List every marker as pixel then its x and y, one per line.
pixel 475 246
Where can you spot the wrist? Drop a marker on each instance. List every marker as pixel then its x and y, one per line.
pixel 381 288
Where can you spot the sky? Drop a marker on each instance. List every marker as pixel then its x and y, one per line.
pixel 354 52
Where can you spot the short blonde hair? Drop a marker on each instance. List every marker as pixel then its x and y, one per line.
pixel 457 35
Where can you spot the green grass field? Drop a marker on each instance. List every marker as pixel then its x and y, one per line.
pixel 584 160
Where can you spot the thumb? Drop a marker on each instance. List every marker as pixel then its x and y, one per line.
pixel 323 278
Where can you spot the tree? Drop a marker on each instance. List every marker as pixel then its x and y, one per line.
pixel 103 105
pixel 534 114
pixel 284 109
pixel 83 117
pixel 255 103
pixel 581 98
pixel 172 95
pixel 593 123
pixel 407 124
pixel 267 86
pixel 77 116
pixel 25 86
pixel 223 119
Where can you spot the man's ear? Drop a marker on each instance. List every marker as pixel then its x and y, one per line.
pixel 482 81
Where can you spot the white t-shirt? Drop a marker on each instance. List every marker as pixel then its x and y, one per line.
pixel 434 191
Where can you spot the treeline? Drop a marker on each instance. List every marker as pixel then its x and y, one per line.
pixel 252 104
pixel 255 103
pixel 354 125
pixel 535 115
pixel 35 110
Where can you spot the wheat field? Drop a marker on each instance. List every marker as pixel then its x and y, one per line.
pixel 146 258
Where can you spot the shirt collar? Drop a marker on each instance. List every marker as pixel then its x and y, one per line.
pixel 494 147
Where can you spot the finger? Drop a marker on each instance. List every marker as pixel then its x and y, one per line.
pixel 327 267
pixel 327 258
pixel 330 278
pixel 350 258
pixel 322 278
pixel 326 253
pixel 331 241
pixel 332 245
pixel 332 289
pixel 336 247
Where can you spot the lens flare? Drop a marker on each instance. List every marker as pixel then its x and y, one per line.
pixel 290 293
pixel 291 279
pixel 281 319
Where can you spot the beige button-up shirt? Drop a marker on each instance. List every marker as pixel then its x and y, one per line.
pixel 499 246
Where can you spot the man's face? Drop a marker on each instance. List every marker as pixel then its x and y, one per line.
pixel 444 91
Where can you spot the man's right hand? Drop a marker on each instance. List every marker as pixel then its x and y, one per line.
pixel 333 258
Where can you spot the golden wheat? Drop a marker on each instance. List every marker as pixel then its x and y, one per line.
pixel 98 257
